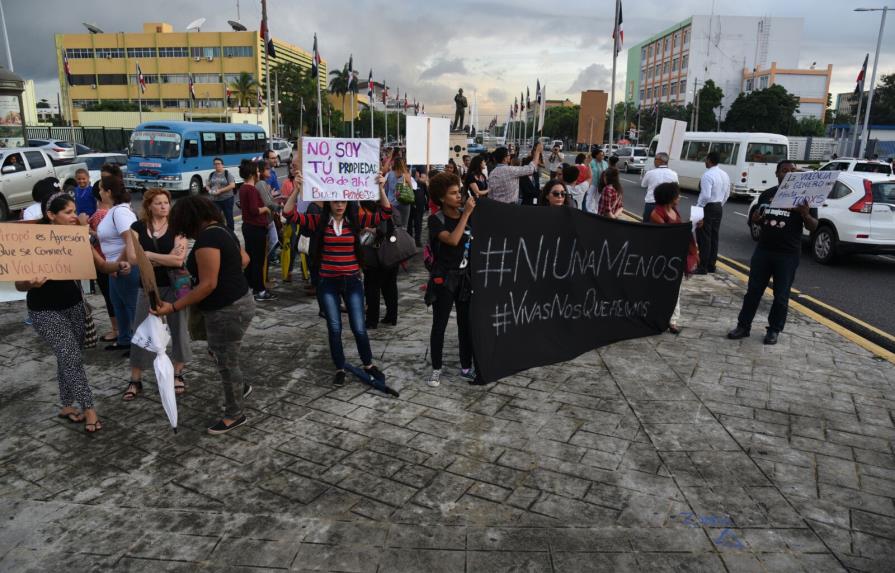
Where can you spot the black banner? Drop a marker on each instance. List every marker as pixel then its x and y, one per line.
pixel 551 283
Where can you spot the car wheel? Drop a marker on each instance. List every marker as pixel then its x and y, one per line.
pixel 195 185
pixel 4 209
pixel 754 228
pixel 68 185
pixel 823 245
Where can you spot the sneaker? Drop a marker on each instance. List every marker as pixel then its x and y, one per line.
pixel 435 379
pixel 28 321
pixel 376 373
pixel 222 428
pixel 467 373
pixel 339 379
pixel 265 295
pixel 246 390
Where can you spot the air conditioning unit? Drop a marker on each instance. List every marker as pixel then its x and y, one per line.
pixel 197 59
pixel 210 58
pixel 108 56
pixel 93 86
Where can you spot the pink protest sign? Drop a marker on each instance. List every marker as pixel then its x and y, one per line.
pixel 340 169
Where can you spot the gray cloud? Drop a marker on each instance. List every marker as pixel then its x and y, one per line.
pixel 497 95
pixel 443 67
pixel 594 76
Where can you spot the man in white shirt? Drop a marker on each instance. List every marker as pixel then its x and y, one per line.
pixel 652 179
pixel 714 189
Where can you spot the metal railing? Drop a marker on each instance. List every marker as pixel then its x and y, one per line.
pixel 107 139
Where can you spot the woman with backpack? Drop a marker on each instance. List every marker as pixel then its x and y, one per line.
pixel 336 254
pixel 449 281
pixel 399 186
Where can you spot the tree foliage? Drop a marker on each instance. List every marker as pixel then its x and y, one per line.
pixel 112 106
pixel 710 97
pixel 809 127
pixel 297 87
pixel 245 90
pixel 882 111
pixel 561 122
pixel 769 110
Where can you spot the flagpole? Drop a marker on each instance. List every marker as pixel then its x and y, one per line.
pixel 317 79
pixel 267 67
pixel 865 133
pixel 385 113
pixel 854 142
pixel 140 92
pixel 615 33
pixel 301 116
pixel 276 101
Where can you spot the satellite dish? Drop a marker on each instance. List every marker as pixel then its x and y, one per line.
pixel 93 29
pixel 237 27
pixel 196 24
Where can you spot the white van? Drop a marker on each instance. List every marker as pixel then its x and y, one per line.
pixel 750 159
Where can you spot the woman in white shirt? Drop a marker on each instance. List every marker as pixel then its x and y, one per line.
pixel 125 283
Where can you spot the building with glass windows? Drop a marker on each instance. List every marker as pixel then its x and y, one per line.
pixel 104 67
pixel 669 67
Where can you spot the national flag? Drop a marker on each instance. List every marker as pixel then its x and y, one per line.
pixel 538 93
pixel 521 103
pixel 543 109
pixel 302 104
pixel 859 83
pixel 384 95
pixel 260 98
pixel 265 35
pixel 423 108
pixel 315 63
pixel 192 88
pixel 141 80
pixel 67 69
pixel 528 97
pixel 370 86
pixel 618 31
pixel 405 101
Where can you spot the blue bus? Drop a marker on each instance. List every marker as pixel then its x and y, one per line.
pixel 177 155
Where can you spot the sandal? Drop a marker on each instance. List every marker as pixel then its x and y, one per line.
pixel 129 395
pixel 110 337
pixel 97 426
pixel 179 388
pixel 74 417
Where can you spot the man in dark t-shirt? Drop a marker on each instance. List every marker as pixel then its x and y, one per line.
pixel 776 256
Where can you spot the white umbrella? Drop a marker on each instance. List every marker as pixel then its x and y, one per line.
pixel 153 335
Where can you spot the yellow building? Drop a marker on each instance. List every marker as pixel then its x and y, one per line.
pixel 103 67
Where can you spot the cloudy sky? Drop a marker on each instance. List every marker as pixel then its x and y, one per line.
pixel 493 48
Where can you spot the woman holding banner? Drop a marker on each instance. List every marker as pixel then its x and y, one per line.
pixel 57 312
pixel 336 255
pixel 450 282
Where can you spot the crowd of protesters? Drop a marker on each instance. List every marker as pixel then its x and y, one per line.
pixel 334 244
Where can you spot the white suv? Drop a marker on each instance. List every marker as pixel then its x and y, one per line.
pixel 283 149
pixel 857 166
pixel 857 217
pixel 632 158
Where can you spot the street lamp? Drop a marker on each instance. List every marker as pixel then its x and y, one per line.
pixel 862 147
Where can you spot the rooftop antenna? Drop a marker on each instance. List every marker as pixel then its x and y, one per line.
pixel 196 25
pixel 93 28
pixel 237 27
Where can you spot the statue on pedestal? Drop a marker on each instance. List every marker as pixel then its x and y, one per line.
pixel 460 112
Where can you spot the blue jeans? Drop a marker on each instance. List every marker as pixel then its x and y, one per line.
pixel 123 291
pixel 226 207
pixel 350 289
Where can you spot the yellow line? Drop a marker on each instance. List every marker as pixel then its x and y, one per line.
pixel 837 328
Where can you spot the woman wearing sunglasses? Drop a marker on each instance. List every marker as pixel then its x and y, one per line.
pixel 554 194
pixel 449 281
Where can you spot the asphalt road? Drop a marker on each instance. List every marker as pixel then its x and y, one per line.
pixel 860 285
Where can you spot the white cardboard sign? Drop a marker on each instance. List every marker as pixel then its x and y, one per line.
pixel 340 169
pixel 671 137
pixel 812 187
pixel 428 140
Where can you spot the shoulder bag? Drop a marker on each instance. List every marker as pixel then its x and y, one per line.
pixel 397 246
pixel 404 192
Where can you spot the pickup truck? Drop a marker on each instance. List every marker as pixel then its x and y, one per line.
pixel 21 168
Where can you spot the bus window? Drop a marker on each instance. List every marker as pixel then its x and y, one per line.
pixel 230 144
pixel 652 148
pixel 247 143
pixel 160 144
pixel 211 143
pixel 260 143
pixel 726 151
pixel 190 148
pixel 766 152
pixel 697 150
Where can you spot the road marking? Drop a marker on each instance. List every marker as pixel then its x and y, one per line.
pixel 731 265
pixel 741 214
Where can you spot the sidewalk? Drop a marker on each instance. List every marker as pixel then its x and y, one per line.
pixel 664 453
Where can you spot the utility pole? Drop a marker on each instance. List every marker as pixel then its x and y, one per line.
pixel 865 134
pixel 6 38
pixel 615 39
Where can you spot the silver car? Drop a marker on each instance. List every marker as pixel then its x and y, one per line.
pixel 58 150
pixel 631 159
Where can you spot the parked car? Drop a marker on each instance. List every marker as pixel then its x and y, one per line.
pixel 856 165
pixel 858 217
pixel 20 169
pixel 631 158
pixel 283 149
pixel 58 150
pixel 81 149
pixel 95 161
pixel 556 142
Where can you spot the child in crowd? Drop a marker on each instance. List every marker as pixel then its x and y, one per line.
pixel 85 203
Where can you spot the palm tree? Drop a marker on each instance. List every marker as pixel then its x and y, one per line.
pixel 245 88
pixel 339 83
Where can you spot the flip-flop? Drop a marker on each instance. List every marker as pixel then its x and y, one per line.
pixel 109 338
pixel 73 417
pixel 97 426
pixel 131 395
pixel 179 390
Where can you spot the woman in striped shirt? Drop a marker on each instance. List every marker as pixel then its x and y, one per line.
pixel 335 248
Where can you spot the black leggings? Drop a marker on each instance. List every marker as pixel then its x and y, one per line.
pixel 256 246
pixel 378 280
pixel 102 279
pixel 441 314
